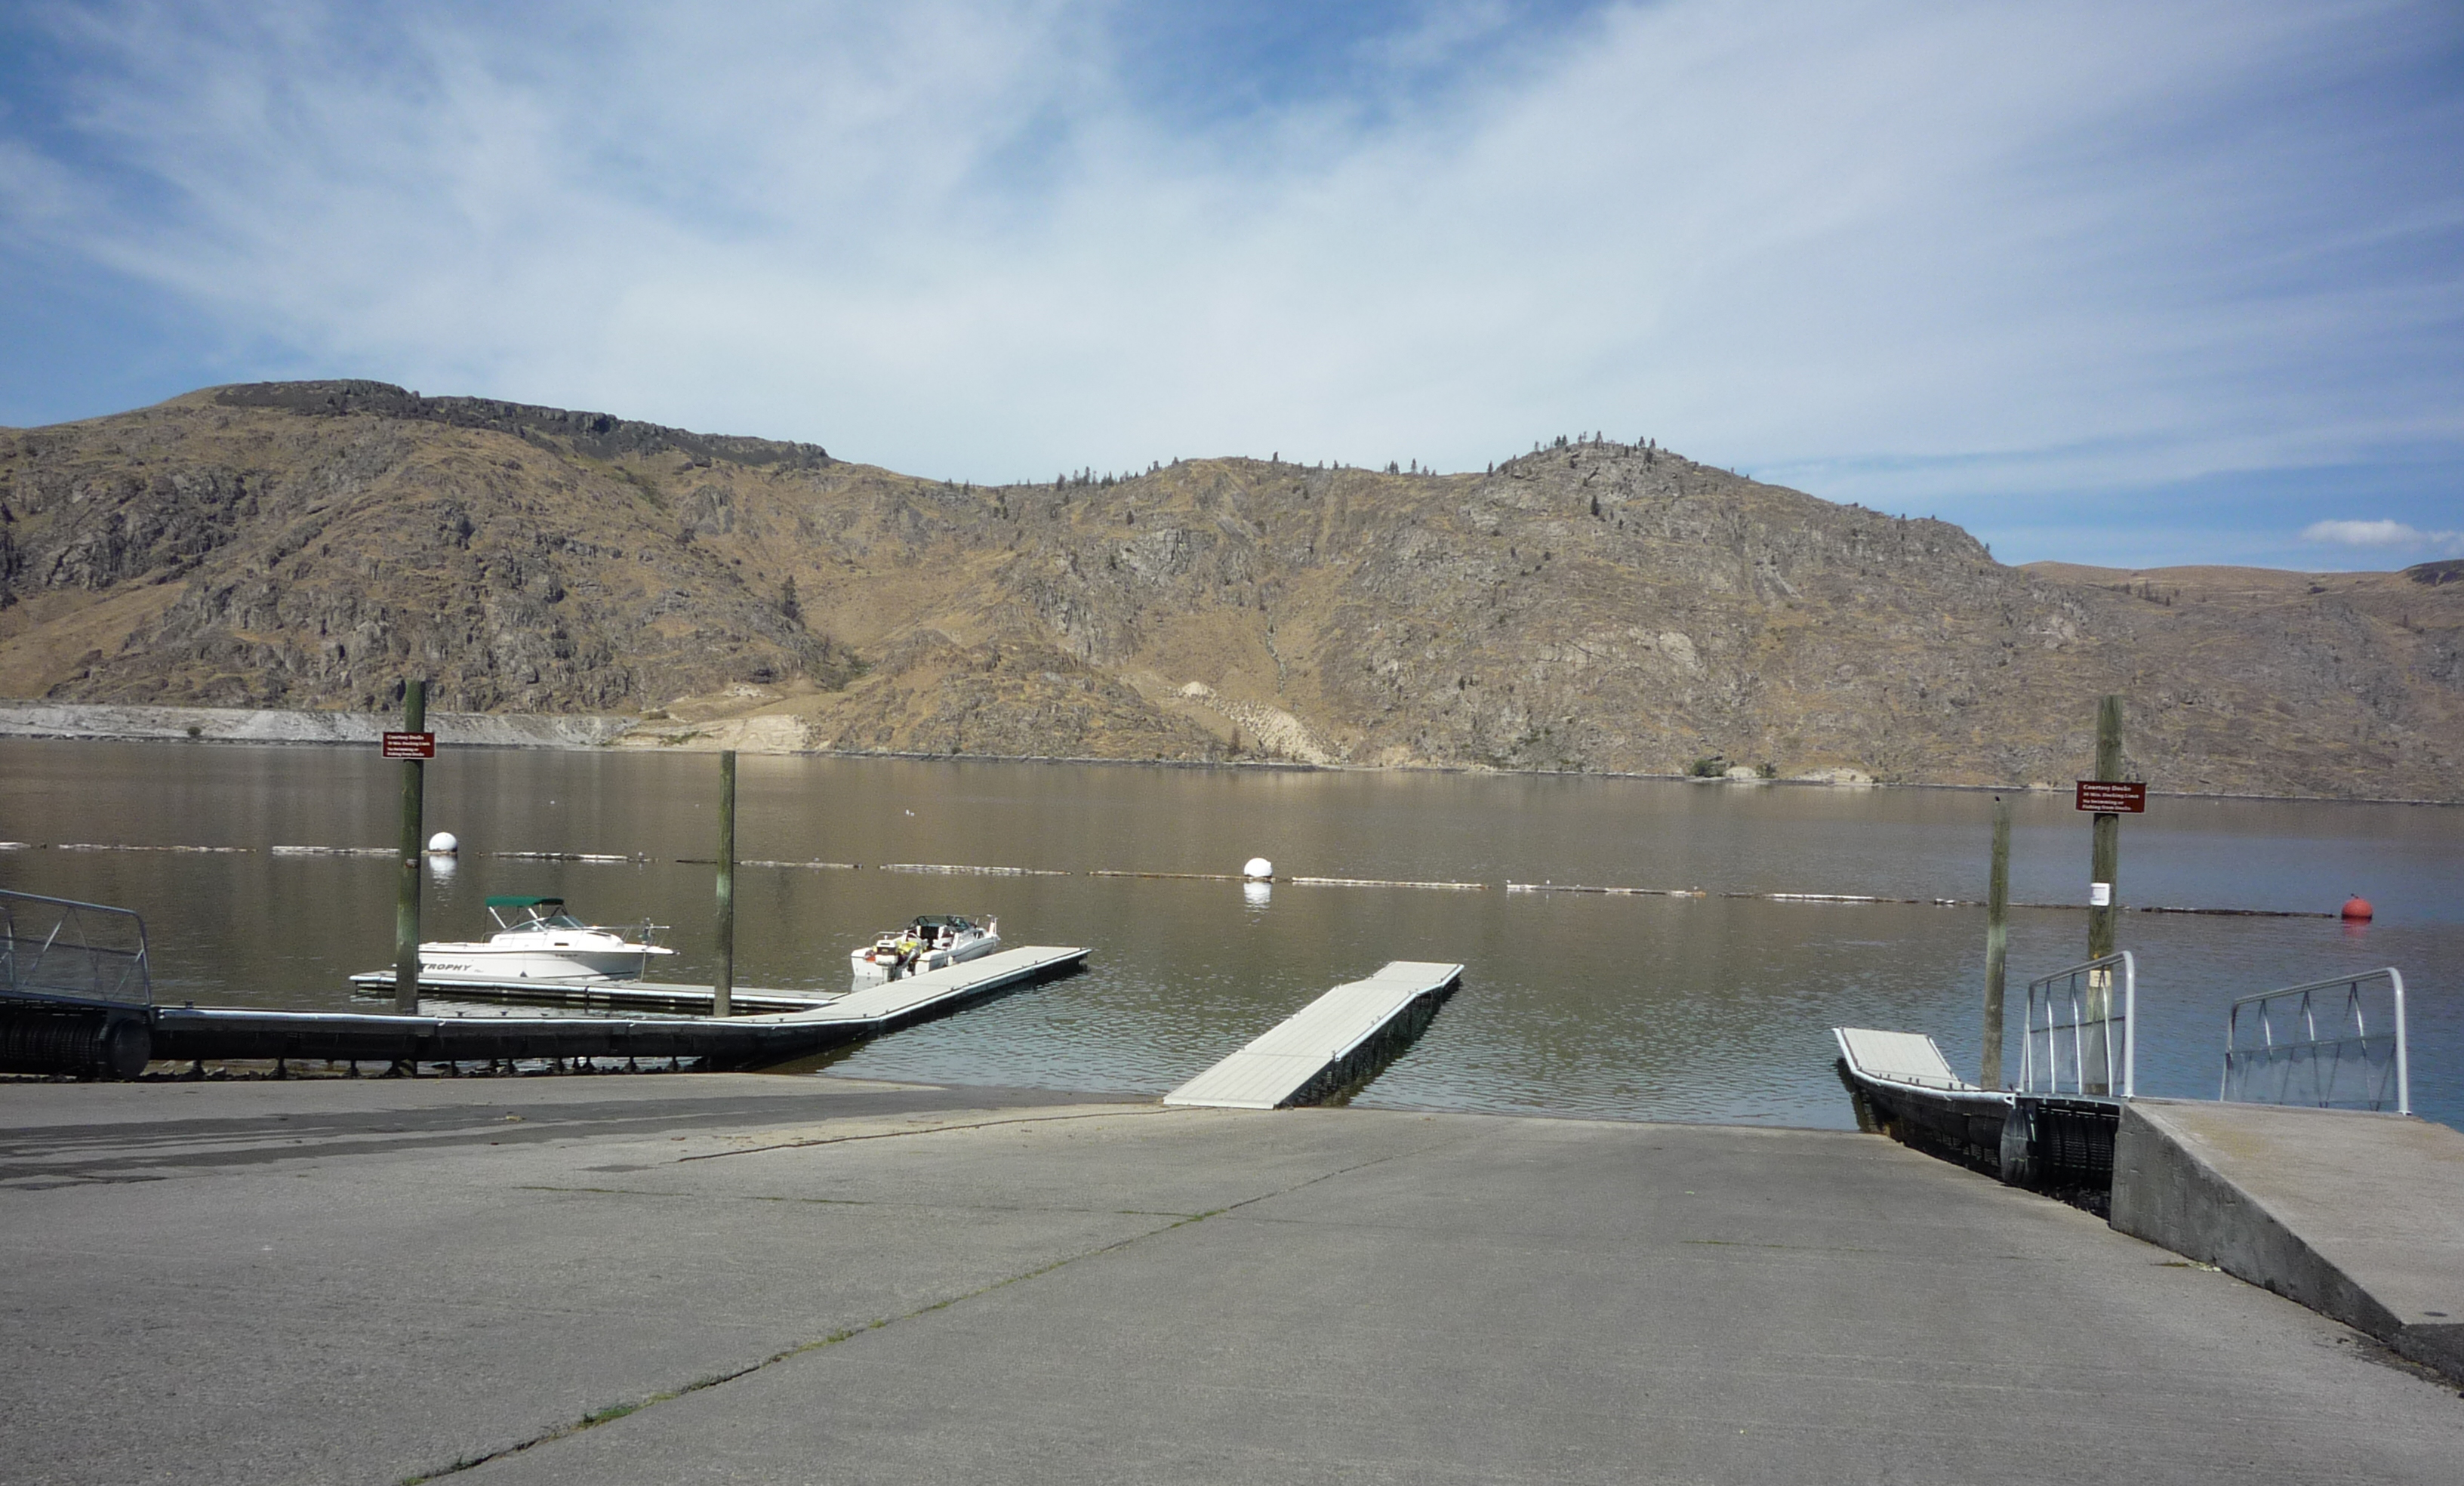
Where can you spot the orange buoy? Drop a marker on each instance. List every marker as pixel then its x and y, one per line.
pixel 2356 910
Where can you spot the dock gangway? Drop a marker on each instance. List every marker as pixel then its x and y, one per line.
pixel 2277 1052
pixel 2078 1063
pixel 76 993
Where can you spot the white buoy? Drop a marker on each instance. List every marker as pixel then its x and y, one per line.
pixel 1259 869
pixel 442 844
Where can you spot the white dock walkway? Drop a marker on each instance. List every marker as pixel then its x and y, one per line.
pixel 600 995
pixel 759 1040
pixel 890 1004
pixel 913 998
pixel 1324 1045
pixel 1899 1057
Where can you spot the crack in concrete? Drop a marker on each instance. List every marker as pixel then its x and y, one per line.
pixel 615 1411
pixel 890 1135
pixel 848 1202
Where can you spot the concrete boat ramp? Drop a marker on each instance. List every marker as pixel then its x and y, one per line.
pixel 726 1277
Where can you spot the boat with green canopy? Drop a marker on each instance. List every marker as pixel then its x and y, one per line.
pixel 535 940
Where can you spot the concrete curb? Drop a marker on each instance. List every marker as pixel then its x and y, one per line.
pixel 2169 1190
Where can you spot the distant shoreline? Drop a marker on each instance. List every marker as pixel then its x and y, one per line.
pixel 72 722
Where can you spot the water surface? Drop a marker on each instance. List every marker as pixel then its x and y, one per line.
pixel 1711 1008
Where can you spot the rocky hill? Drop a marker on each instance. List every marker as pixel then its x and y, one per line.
pixel 1589 605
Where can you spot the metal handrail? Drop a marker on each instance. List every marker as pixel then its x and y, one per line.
pixel 2077 992
pixel 2311 1051
pixel 63 964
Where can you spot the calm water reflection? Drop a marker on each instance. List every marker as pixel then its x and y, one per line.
pixel 1692 1009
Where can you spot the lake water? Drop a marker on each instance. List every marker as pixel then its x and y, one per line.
pixel 1708 1008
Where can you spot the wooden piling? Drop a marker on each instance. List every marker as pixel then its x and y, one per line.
pixel 1997 943
pixel 2104 868
pixel 2105 849
pixel 405 917
pixel 725 984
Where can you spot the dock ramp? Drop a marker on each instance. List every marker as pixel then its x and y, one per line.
pixel 1909 1057
pixel 1327 1044
pixel 1912 1092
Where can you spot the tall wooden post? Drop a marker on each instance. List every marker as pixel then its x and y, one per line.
pixel 1997 943
pixel 2104 898
pixel 405 914
pixel 2105 849
pixel 723 988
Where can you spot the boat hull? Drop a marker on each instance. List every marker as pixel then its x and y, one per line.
pixel 867 968
pixel 483 961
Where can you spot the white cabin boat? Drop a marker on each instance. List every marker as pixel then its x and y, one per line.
pixel 934 942
pixel 537 941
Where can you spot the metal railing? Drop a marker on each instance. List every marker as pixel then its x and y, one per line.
pixel 2276 1054
pixel 2078 1038
pixel 61 951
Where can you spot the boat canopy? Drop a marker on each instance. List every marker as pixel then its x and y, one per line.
pixel 521 901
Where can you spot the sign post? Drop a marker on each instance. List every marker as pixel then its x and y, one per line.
pixel 723 987
pixel 2106 797
pixel 415 744
pixel 1997 944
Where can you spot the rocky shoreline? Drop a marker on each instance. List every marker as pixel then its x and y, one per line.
pixel 268 725
pixel 118 722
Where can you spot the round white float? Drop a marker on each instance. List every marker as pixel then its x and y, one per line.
pixel 1258 870
pixel 443 843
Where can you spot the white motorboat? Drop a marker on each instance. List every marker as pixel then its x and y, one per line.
pixel 535 940
pixel 934 942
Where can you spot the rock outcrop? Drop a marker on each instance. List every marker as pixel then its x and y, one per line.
pixel 1587 606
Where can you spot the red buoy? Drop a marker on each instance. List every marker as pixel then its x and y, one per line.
pixel 2356 910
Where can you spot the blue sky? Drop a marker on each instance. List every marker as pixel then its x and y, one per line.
pixel 2109 283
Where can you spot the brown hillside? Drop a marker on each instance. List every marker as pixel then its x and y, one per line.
pixel 1591 606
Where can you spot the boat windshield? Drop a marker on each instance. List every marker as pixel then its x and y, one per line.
pixel 537 919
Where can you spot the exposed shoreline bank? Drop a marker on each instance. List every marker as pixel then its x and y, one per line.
pixel 132 723
pixel 138 723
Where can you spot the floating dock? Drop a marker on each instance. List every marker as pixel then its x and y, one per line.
pixel 753 1041
pixel 1918 1100
pixel 2058 1145
pixel 1328 1044
pixel 602 995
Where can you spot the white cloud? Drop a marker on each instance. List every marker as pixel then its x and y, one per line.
pixel 2380 534
pixel 1887 249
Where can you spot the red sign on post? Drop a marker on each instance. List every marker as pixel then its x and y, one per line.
pixel 2112 797
pixel 411 746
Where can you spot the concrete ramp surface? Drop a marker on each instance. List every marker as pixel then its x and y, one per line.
pixel 2357 1215
pixel 739 1278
